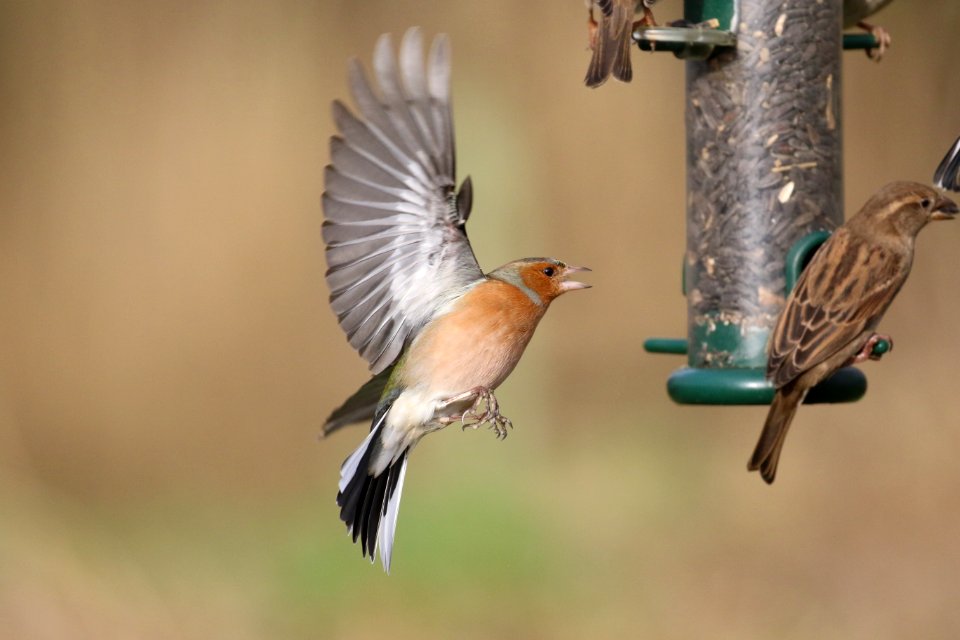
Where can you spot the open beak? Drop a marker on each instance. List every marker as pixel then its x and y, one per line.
pixel 571 285
pixel 944 209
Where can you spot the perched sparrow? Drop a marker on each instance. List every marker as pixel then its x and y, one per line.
pixel 612 37
pixel 829 318
pixel 854 14
pixel 439 335
pixel 947 175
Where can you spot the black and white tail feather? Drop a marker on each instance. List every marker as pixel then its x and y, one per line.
pixel 369 503
pixel 947 175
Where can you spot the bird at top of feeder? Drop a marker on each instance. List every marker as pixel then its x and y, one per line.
pixel 829 319
pixel 855 13
pixel 611 37
pixel 439 334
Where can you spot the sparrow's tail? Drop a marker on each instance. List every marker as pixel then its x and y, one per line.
pixel 369 503
pixel 767 453
pixel 611 51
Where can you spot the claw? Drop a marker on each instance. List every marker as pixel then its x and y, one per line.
pixel 485 410
pixel 867 353
pixel 647 20
pixel 882 37
pixel 500 426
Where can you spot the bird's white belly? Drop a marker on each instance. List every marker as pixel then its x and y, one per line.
pixel 409 418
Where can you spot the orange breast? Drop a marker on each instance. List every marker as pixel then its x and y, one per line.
pixel 476 344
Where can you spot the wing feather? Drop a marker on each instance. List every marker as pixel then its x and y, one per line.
pixel 397 251
pixel 355 163
pixel 843 292
pixel 947 175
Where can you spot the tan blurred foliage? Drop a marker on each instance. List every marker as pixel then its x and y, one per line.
pixel 167 355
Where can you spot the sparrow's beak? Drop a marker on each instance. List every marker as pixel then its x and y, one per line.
pixel 944 209
pixel 571 285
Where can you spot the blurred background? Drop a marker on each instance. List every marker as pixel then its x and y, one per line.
pixel 167 356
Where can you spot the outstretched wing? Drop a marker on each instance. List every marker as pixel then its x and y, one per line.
pixel 397 251
pixel 843 292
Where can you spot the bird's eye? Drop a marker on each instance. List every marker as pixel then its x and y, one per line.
pixel 925 203
pixel 549 271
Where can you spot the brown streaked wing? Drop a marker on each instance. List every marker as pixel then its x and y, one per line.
pixel 606 6
pixel 612 46
pixel 622 23
pixel 844 292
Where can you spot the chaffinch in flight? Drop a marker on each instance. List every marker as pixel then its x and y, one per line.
pixel 439 334
pixel 829 319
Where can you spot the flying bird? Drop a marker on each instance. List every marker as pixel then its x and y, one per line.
pixel 611 37
pixel 855 13
pixel 439 335
pixel 830 317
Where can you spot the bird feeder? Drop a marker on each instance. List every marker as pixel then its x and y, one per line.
pixel 764 182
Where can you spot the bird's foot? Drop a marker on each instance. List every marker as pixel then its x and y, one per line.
pixel 882 37
pixel 647 20
pixel 486 410
pixel 868 352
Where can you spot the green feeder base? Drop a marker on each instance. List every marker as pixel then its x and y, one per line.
pixel 732 386
pixel 689 385
pixel 745 385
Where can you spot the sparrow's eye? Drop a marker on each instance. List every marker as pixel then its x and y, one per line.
pixel 548 271
pixel 925 203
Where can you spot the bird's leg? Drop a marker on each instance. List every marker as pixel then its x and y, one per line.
pixel 473 394
pixel 491 415
pixel 647 20
pixel 883 40
pixel 466 395
pixel 867 352
pixel 486 410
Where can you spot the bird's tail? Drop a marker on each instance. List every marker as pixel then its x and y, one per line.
pixel 611 51
pixel 766 455
pixel 369 503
